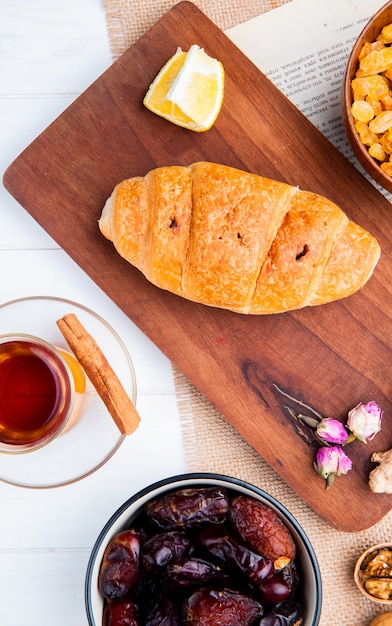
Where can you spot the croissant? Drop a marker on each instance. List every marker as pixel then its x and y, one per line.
pixel 230 239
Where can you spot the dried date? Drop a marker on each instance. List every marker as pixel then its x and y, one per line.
pixel 209 607
pixel 287 613
pixel 280 586
pixel 261 528
pixel 274 589
pixel 189 507
pixel 254 567
pixel 290 575
pixel 164 612
pixel 120 570
pixel 122 613
pixel 193 572
pixel 164 548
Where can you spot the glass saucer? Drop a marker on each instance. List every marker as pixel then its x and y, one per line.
pixel 92 439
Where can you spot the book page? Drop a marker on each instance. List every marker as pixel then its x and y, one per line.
pixel 303 47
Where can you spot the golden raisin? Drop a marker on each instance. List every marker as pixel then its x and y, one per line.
pixel 381 123
pixel 386 102
pixel 377 105
pixel 386 142
pixel 386 34
pixel 379 87
pixel 369 46
pixel 360 87
pixel 365 135
pixel 374 86
pixel 362 111
pixel 387 168
pixel 376 61
pixel 377 152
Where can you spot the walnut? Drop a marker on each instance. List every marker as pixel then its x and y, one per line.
pixel 379 563
pixel 384 619
pixel 380 478
pixel 380 588
pixel 373 573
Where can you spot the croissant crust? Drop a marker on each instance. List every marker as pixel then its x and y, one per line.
pixel 230 239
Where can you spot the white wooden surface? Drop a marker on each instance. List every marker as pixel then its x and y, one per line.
pixel 50 51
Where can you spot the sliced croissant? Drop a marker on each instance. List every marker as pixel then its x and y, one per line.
pixel 230 239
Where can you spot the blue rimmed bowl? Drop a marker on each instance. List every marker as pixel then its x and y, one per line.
pixel 309 592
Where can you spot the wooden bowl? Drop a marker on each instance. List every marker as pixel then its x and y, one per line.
pixel 359 576
pixel 368 34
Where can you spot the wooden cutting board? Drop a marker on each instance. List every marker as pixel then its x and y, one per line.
pixel 259 372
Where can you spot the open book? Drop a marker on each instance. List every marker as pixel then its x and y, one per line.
pixel 303 47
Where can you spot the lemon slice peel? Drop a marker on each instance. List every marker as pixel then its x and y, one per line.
pixel 77 371
pixel 188 90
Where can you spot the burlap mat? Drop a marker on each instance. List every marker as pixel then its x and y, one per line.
pixel 128 19
pixel 211 443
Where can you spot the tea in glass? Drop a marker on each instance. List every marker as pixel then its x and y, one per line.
pixel 36 393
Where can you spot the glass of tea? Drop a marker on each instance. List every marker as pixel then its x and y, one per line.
pixel 37 393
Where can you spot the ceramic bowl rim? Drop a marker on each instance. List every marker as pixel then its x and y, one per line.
pixel 200 477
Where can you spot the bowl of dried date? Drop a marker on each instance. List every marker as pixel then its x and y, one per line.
pixel 373 573
pixel 202 550
pixel 367 109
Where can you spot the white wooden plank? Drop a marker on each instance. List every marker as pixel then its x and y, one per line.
pixel 49 53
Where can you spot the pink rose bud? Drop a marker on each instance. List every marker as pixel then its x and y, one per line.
pixel 364 421
pixel 331 462
pixel 332 431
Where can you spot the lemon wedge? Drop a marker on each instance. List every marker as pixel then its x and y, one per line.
pixel 77 371
pixel 188 90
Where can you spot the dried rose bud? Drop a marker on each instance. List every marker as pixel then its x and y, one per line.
pixel 332 431
pixel 364 421
pixel 331 462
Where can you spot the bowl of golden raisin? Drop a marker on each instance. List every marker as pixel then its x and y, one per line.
pixel 368 97
pixel 202 549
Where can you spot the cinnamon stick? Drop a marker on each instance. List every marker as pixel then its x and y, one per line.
pixel 100 373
